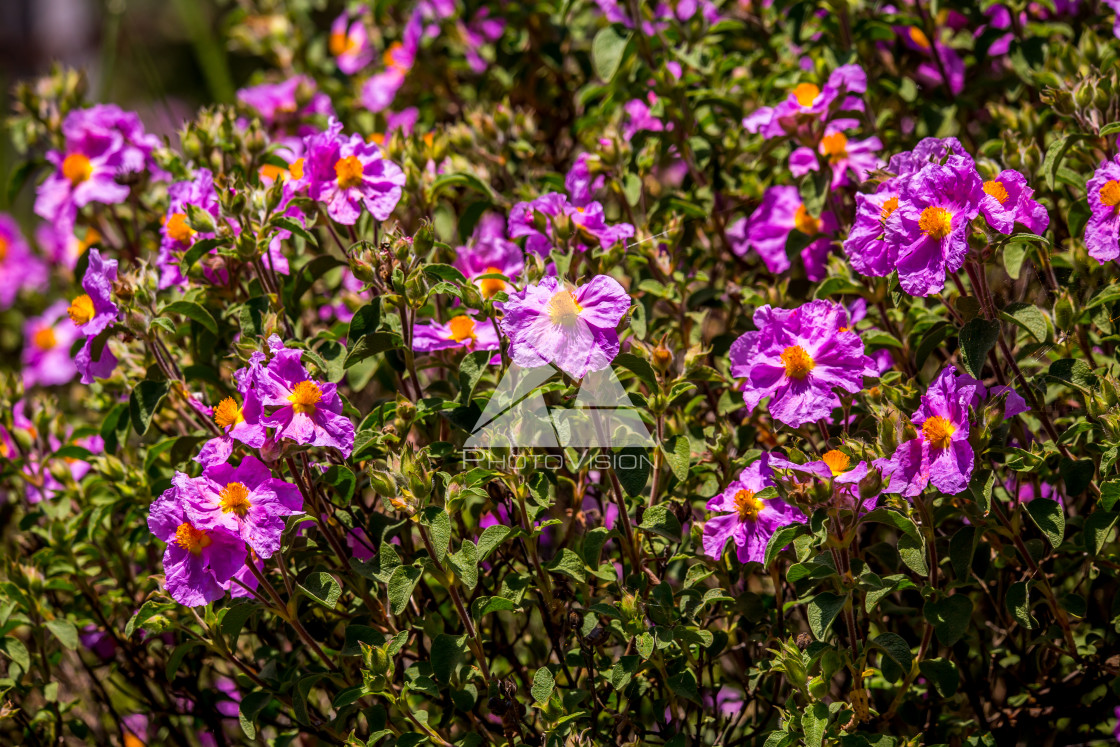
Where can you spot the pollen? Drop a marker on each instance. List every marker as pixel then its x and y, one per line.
pixel 296 168
pixel 3 248
pixel 491 286
pixel 305 396
pixel 919 37
pixel 938 431
pixel 273 172
pixel 936 222
pixel 227 413
pixel 77 168
pixel 564 309
pixel 996 189
pixel 81 310
pixel 178 230
pixel 806 223
pixel 462 328
pixel 341 43
pixel 838 462
pixel 835 146
pixel 889 206
pixel 806 93
pixel 192 539
pixel 349 171
pixel 798 363
pixel 747 505
pixel 44 338
pixel 390 56
pixel 1110 193
pixel 235 498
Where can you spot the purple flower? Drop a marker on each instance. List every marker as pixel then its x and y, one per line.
pixel 46 350
pixel 1102 232
pixel 349 173
pixel 940 55
pixel 580 183
pixel 95 310
pixel 931 226
pixel 349 43
pixel 462 331
pixel 238 422
pixel 571 327
pixel 245 501
pixel 287 103
pixel 808 103
pixel 197 562
pixel 639 117
pixel 381 89
pixel 309 412
pixel 588 222
pixel 836 470
pixel 866 246
pixel 797 358
pixel 768 228
pixel 489 252
pixel 176 234
pixel 19 268
pixel 1007 199
pixel 841 154
pixel 745 518
pixel 941 453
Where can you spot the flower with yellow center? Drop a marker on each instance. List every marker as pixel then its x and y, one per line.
pixel 227 413
pixel 178 230
pixel 462 328
pixel 798 363
pixel 491 287
pixel 806 223
pixel 340 43
pixel 235 498
pixel 192 539
pixel 919 37
pixel 995 188
pixel 305 396
pixel 838 462
pixel 1110 193
pixel 44 338
pixel 296 168
pixel 806 93
pixel 889 206
pixel 936 222
pixel 77 168
pixel 390 57
pixel 747 506
pixel 81 310
pixel 349 171
pixel 564 309
pixel 834 146
pixel 938 431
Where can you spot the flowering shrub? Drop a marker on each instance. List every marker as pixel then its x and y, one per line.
pixel 851 265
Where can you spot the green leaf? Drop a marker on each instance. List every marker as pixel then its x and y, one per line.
pixel 251 706
pixel 568 563
pixel 543 682
pixel 913 554
pixel 684 686
pixel 1074 372
pixel 446 650
pixel 894 519
pixel 1054 155
pixel 1029 317
pixel 65 631
pixel 949 617
pixel 779 540
pixel 440 529
pixel 895 647
pixel 401 584
pixel 977 337
pixel 1013 255
pixel 1049 517
pixel 1019 604
pixel 1110 494
pixel 323 588
pixel 370 345
pixel 822 610
pixel 485 605
pixel 471 369
pixel 465 563
pixel 814 722
pixel 678 450
pixel 662 521
pixel 194 311
pixel 144 402
pixel 607 49
pixel 492 536
pixel 644 644
pixel 962 546
pixel 461 179
pixel 943 674
pixel 635 476
pixel 197 251
pixel 1098 526
pixel 235 618
pixel 639 367
pixel 445 272
pixel 16 651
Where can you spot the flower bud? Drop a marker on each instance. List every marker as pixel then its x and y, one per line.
pixel 562 227
pixel 382 483
pixel 661 357
pixel 424 240
pixel 871 484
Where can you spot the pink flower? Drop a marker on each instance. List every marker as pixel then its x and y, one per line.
pixel 745 518
pixel 348 174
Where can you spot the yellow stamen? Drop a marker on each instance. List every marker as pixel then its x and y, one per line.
pixel 377 138
pixel 349 171
pixel 936 222
pixel 228 413
pixel 835 146
pixel 997 190
pixel 889 206
pixel 919 37
pixel 92 237
pixel 1110 193
pixel 747 505
pixel 273 172
pixel 192 539
pixel 390 56
pixel 77 168
pixel 296 169
pixel 806 93
pixel 491 286
pixel 341 43
pixel 462 328
pixel 235 498
pixel 838 462
pixel 305 396
pixel 44 338
pixel 798 363
pixel 3 248
pixel 81 310
pixel 563 309
pixel 178 230
pixel 131 740
pixel 938 431
pixel 806 223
